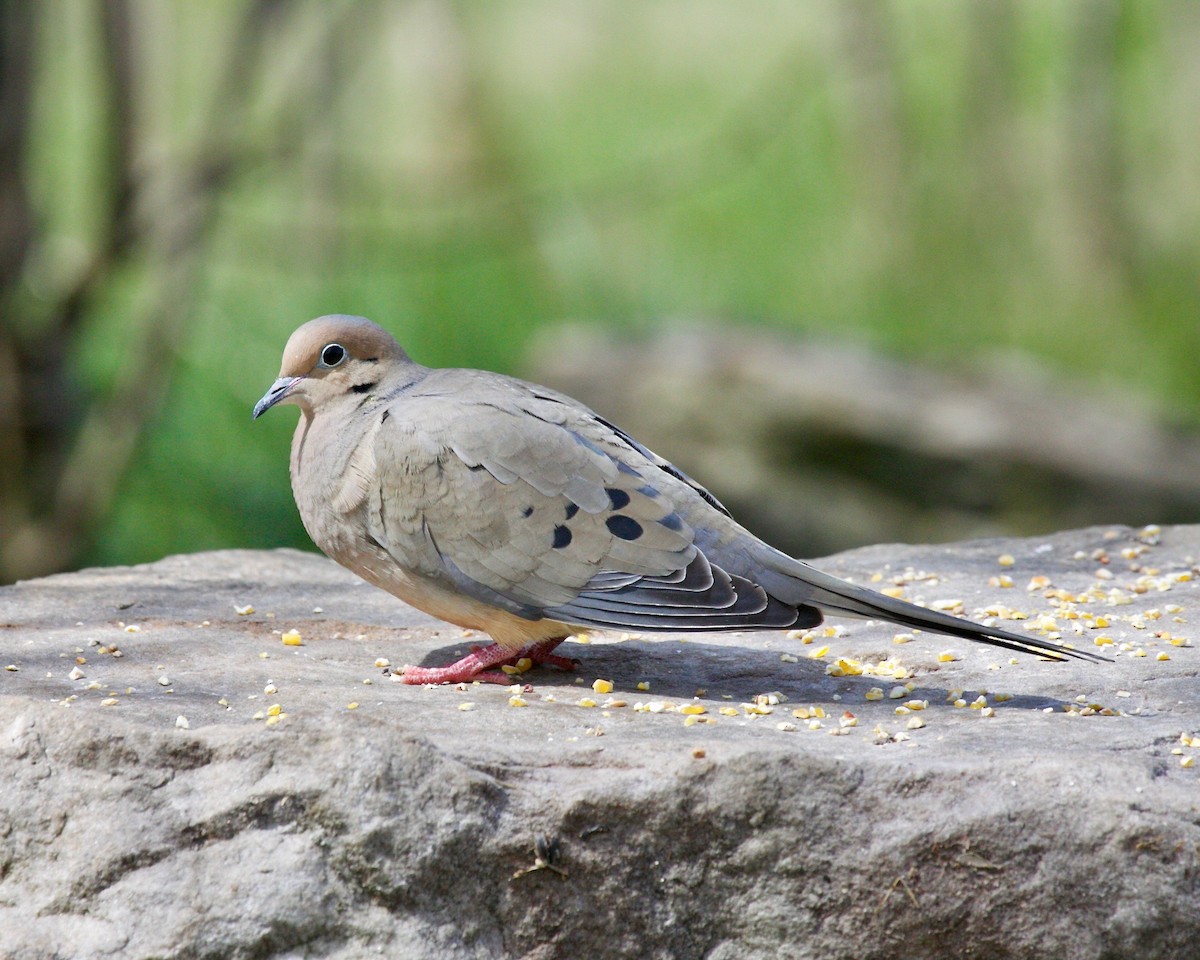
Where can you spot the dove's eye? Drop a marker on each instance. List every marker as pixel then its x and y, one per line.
pixel 332 354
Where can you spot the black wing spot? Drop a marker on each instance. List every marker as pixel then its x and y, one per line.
pixel 527 511
pixel 624 527
pixel 364 387
pixel 386 414
pixel 572 509
pixel 618 498
pixel 672 521
pixel 562 537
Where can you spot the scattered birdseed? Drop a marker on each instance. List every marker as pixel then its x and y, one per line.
pixel 12 668
pixel 915 723
pixel 1187 761
pixel 728 711
pixel 587 702
pixel 987 712
pixel 1163 655
pixel 109 702
pixel 181 722
pixel 902 638
pixel 789 658
pixel 515 701
pixel 602 686
pixel 693 709
pixel 897 692
pixel 464 706
pixel 243 611
pixel 643 685
pixel 848 719
pixel 786 726
pixel 292 639
pixel 699 753
pixel 819 652
pixel 76 674
pixel 875 693
pixel 947 656
pixel 269 689
pixel 1006 559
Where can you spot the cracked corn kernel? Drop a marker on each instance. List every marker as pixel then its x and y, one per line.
pixel 788 658
pixel 602 686
pixel 947 656
pixel 728 711
pixel 897 692
pixel 586 702
pixel 291 639
pixel 847 719
pixel 987 712
pixel 902 638
pixel 643 685
pixel 693 709
pixel 272 720
pixel 1187 761
pixel 274 710
pixel 819 652
pixel 516 701
pixel 1006 559
pixel 1163 655
pixel 895 593
pixel 353 705
pixel 464 706
pixel 786 726
pixel 1103 641
pixel 875 693
pixel 915 723
pixel 243 611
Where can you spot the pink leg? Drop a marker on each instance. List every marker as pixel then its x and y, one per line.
pixel 474 666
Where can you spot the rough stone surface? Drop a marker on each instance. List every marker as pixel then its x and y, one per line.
pixel 400 828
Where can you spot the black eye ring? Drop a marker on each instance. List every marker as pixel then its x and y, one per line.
pixel 332 354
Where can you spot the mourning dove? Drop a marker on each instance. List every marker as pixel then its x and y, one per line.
pixel 512 509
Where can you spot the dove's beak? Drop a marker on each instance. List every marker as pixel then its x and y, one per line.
pixel 280 390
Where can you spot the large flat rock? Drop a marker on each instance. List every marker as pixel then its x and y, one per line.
pixel 1065 824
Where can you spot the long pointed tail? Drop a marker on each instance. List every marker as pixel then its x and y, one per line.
pixel 837 596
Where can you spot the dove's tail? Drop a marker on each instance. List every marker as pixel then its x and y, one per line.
pixel 839 597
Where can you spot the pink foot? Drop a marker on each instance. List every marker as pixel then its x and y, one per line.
pixel 474 666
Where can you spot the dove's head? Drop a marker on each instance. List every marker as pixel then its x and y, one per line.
pixel 330 357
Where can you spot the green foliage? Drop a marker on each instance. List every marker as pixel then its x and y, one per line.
pixel 936 180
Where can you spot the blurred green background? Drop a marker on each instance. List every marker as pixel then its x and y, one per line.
pixel 184 183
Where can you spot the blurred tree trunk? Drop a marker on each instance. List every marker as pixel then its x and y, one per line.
pixel 65 452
